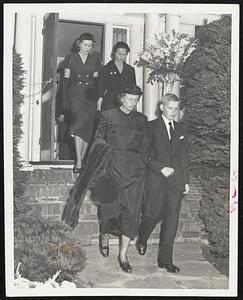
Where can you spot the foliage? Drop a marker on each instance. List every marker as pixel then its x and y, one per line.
pixel 19 177
pixel 206 92
pixel 165 56
pixel 43 248
pixel 214 211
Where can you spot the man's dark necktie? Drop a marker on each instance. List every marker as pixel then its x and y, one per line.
pixel 171 133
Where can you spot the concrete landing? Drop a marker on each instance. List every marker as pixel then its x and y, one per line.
pixel 196 272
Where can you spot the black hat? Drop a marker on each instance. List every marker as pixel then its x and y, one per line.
pixel 132 90
pixel 86 36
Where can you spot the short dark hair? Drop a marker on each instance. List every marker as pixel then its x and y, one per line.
pixel 122 45
pixel 84 36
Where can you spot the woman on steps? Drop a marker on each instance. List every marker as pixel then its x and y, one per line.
pixel 114 76
pixel 120 190
pixel 80 73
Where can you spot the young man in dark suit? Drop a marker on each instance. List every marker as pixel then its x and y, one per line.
pixel 165 152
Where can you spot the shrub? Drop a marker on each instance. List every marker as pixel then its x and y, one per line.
pixel 42 246
pixel 19 177
pixel 206 93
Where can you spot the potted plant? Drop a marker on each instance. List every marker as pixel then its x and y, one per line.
pixel 165 56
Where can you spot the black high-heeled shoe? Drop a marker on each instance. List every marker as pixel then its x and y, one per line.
pixel 125 266
pixel 76 170
pixel 104 250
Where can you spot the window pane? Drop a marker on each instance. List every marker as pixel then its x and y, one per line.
pixel 119 34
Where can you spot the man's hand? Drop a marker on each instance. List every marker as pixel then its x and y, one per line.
pixel 99 102
pixel 187 189
pixel 166 171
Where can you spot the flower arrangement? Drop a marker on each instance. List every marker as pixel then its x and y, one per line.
pixel 165 56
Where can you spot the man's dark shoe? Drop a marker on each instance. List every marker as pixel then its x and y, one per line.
pixel 141 247
pixel 169 268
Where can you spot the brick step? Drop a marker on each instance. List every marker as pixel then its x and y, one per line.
pixel 88 231
pixel 48 191
pixel 54 175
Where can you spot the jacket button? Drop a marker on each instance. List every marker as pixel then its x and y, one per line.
pixel 87 75
pixel 79 75
pixel 86 83
pixel 80 82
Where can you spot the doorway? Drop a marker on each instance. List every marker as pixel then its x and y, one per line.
pixel 56 145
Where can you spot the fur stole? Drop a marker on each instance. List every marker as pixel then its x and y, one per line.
pixel 98 159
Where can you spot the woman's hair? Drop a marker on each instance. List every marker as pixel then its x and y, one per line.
pixel 84 36
pixel 122 45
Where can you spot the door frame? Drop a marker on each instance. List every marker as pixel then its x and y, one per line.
pixel 53 89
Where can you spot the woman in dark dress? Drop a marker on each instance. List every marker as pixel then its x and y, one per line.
pixel 80 73
pixel 114 76
pixel 120 190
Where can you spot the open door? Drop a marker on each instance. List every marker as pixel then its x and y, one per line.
pixel 48 87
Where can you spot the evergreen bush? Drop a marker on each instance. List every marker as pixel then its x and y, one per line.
pixel 206 92
pixel 19 177
pixel 41 246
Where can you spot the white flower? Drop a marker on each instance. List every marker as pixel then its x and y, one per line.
pixel 166 51
pixel 177 60
pixel 184 42
pixel 67 284
pixel 157 52
pixel 158 55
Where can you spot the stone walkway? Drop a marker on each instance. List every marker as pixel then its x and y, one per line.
pixel 196 272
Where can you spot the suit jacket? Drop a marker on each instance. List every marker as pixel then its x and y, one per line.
pixel 157 153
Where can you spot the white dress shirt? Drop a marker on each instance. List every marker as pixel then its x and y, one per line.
pixel 167 125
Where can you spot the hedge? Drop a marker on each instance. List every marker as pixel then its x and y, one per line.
pixel 206 92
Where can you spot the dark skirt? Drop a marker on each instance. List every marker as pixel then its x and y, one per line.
pixel 83 115
pixel 120 193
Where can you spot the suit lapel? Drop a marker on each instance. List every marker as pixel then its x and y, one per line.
pixel 163 132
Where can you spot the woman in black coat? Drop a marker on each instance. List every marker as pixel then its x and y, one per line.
pixel 114 76
pixel 81 73
pixel 120 190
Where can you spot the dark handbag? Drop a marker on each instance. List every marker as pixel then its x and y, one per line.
pixel 106 190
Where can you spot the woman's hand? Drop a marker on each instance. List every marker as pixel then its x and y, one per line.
pixel 187 189
pixel 61 118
